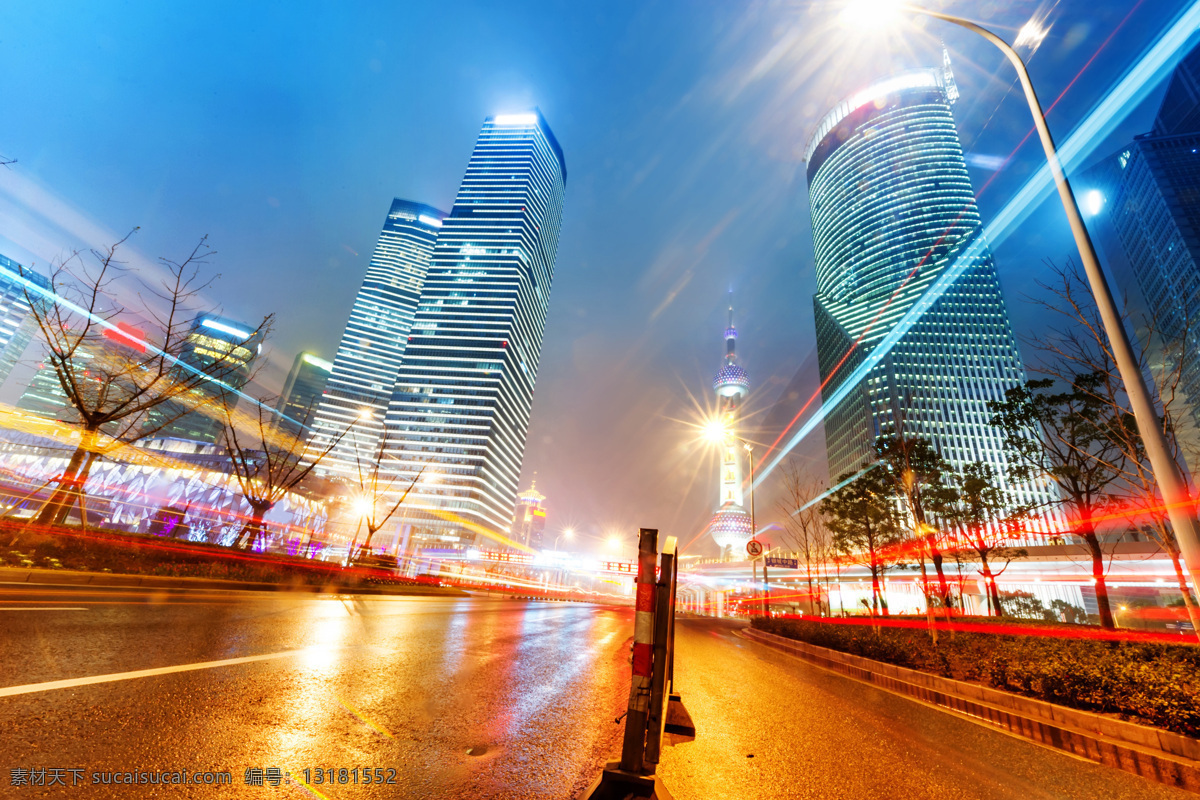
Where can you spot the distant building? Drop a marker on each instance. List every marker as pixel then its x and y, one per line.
pixel 17 325
pixel 464 391
pixel 731 526
pixel 226 350
pixel 302 393
pixel 1144 204
pixel 892 209
pixel 529 523
pixel 376 335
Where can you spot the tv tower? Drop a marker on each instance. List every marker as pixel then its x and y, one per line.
pixel 731 526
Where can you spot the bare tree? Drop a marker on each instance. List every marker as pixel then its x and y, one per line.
pixel 1165 355
pixel 268 463
pixel 111 372
pixel 803 531
pixel 377 489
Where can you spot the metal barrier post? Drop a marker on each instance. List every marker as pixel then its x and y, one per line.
pixel 633 748
pixel 663 652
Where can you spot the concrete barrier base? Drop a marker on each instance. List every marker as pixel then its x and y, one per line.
pixel 678 720
pixel 616 784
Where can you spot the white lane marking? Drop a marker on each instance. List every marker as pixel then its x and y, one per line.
pixel 30 688
pixel 41 608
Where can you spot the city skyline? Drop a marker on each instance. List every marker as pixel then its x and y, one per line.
pixel 627 324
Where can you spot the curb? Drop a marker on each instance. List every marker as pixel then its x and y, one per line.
pixel 1157 755
pixel 45 577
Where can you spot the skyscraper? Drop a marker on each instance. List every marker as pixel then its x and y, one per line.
pixel 364 368
pixel 464 390
pixel 731 527
pixel 892 207
pixel 16 323
pixel 302 391
pixel 226 350
pixel 1145 203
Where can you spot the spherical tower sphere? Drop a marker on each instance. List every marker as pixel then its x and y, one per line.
pixel 731 381
pixel 732 528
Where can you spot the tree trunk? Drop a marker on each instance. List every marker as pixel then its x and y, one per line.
pixel 874 590
pixel 1192 612
pixel 989 581
pixel 70 485
pixel 1088 534
pixel 928 605
pixel 253 527
pixel 943 586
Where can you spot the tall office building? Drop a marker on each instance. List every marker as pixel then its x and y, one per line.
pixel 892 208
pixel 17 325
pixel 464 390
pixel 225 350
pixel 302 392
pixel 1144 203
pixel 364 368
pixel 732 526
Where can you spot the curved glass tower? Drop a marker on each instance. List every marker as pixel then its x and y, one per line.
pixel 892 206
pixel 368 357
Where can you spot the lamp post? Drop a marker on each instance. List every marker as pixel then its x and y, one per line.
pixel 1166 471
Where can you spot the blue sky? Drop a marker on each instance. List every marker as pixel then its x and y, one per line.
pixel 283 131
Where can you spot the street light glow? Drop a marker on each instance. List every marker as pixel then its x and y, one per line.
pixel 714 430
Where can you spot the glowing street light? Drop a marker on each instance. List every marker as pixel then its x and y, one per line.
pixel 1166 471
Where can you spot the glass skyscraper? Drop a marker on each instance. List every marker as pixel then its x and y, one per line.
pixel 464 390
pixel 17 325
pixel 1145 203
pixel 226 350
pixel 376 335
pixel 892 207
pixel 301 396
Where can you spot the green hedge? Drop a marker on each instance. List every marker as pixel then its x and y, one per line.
pixel 1156 684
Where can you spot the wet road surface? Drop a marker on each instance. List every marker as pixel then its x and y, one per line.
pixel 772 726
pixel 461 698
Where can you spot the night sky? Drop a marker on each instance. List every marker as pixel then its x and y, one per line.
pixel 284 130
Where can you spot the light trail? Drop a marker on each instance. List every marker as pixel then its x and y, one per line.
pixel 1133 87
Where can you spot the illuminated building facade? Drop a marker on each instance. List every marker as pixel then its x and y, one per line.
pixel 892 207
pixel 1144 202
pixel 529 523
pixel 464 390
pixel 377 333
pixel 226 350
pixel 302 391
pixel 731 526
pixel 17 325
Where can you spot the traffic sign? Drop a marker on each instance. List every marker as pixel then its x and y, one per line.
pixel 783 563
pixel 754 547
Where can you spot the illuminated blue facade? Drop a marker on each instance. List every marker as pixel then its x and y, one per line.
pixel 17 325
pixel 1145 203
pixel 464 391
pixel 892 206
pixel 368 357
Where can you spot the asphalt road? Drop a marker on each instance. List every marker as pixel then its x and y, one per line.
pixel 474 698
pixel 772 726
pixel 462 698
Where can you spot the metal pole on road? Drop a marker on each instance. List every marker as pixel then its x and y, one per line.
pixel 634 744
pixel 1174 489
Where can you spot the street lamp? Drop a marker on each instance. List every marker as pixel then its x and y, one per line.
pixel 569 533
pixel 1166 471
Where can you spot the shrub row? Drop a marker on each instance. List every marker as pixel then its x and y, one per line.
pixel 1152 683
